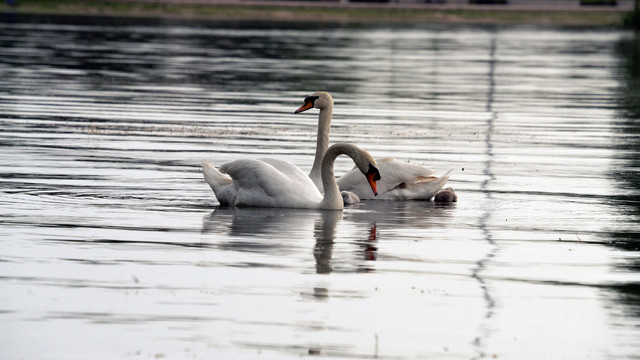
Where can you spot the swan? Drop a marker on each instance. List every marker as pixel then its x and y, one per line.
pixel 400 181
pixel 349 198
pixel 446 195
pixel 278 183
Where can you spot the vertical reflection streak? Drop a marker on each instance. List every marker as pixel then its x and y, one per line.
pixel 324 233
pixel 480 341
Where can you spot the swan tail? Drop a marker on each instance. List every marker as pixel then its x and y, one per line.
pixel 221 184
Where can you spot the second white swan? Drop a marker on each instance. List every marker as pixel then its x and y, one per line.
pixel 400 181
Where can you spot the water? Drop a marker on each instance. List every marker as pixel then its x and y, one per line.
pixel 112 245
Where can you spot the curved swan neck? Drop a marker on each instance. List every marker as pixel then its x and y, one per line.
pixel 322 143
pixel 332 198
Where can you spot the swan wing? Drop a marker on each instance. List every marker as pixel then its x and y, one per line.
pixel 424 189
pixel 393 174
pixel 260 183
pixel 290 170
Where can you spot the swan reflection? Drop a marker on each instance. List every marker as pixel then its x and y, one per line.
pixel 370 250
pixel 391 214
pixel 286 232
pixel 283 232
pixel 279 231
pixel 259 221
pixel 324 233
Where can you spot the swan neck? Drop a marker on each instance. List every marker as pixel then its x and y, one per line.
pixel 332 198
pixel 322 143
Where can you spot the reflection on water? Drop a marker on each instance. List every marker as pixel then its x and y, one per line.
pixel 111 238
pixel 280 231
pixel 628 148
pixel 628 140
pixel 484 219
pixel 324 233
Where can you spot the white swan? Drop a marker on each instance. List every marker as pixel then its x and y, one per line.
pixel 277 183
pixel 400 181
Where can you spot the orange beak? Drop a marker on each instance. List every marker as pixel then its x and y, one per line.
pixel 371 177
pixel 307 105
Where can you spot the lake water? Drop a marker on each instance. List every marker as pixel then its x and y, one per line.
pixel 112 246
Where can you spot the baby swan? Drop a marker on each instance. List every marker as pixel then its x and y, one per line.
pixel 349 198
pixel 446 195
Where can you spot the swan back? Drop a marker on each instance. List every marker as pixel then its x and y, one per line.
pixel 395 173
pixel 423 189
pixel 271 183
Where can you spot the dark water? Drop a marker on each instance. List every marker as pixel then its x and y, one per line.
pixel 112 245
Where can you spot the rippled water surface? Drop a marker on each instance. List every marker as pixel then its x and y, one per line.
pixel 113 246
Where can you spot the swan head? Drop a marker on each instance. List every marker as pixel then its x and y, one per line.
pixel 319 100
pixel 369 167
pixel 349 198
pixel 373 175
pixel 447 195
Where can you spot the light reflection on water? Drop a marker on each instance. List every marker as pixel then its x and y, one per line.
pixel 111 238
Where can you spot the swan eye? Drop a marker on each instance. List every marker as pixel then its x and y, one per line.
pixel 311 99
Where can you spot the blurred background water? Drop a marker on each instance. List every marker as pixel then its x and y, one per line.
pixel 113 246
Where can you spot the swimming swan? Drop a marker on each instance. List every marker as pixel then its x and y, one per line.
pixel 349 198
pixel 400 181
pixel 278 183
pixel 446 195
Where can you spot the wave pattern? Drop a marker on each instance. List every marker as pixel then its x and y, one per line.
pixel 108 229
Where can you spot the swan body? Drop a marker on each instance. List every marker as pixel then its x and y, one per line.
pixel 405 182
pixel 277 183
pixel 399 180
